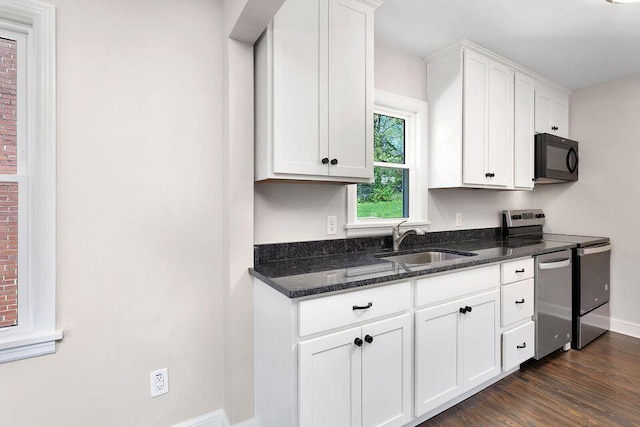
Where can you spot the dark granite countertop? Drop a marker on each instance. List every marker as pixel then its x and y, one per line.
pixel 316 275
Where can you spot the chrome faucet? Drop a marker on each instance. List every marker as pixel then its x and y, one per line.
pixel 399 237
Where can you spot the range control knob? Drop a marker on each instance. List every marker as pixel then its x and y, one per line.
pixel 516 216
pixel 539 215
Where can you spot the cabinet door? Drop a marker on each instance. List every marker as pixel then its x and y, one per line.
pixel 329 370
pixel 386 372
pixel 350 83
pixel 543 112
pixel 552 113
pixel 560 115
pixel 298 146
pixel 500 124
pixel 523 160
pixel 481 343
pixel 438 356
pixel 475 108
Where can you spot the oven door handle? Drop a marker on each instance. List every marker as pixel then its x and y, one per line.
pixel 555 264
pixel 596 250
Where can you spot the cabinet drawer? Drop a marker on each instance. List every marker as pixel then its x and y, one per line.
pixel 513 271
pixel 518 345
pixel 446 287
pixel 324 313
pixel 517 301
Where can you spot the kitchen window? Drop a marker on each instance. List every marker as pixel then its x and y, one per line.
pixel 27 180
pixel 399 189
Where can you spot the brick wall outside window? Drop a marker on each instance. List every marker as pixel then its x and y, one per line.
pixel 8 190
pixel 8 254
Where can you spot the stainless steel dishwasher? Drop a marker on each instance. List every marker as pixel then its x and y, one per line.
pixel 553 302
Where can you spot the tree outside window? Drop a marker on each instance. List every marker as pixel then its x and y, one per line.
pixel 388 195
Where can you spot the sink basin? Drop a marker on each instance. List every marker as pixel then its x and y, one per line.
pixel 426 257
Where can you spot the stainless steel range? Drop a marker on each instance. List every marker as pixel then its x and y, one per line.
pixel 571 287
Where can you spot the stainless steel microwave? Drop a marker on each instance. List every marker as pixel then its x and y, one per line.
pixel 556 159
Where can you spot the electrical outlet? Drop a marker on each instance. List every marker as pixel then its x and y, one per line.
pixel 332 224
pixel 459 219
pixel 159 382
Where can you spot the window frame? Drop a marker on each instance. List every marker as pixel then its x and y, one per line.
pixel 414 112
pixel 36 332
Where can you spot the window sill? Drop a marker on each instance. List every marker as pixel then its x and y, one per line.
pixel 28 345
pixel 380 228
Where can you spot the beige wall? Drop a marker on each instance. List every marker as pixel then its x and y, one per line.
pixel 604 202
pixel 399 72
pixel 139 270
pixel 238 229
pixel 287 212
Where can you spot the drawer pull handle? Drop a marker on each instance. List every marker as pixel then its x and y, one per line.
pixel 368 338
pixel 358 342
pixel 524 345
pixel 520 271
pixel 520 302
pixel 362 307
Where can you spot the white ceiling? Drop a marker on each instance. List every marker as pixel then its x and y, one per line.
pixel 576 43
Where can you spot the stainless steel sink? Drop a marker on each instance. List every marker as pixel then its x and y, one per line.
pixel 426 257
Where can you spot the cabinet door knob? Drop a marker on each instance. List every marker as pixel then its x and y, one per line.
pixel 334 161
pixel 358 342
pixel 520 271
pixel 520 302
pixel 463 310
pixel 488 174
pixel 368 338
pixel 469 309
pixel 325 160
pixel 524 345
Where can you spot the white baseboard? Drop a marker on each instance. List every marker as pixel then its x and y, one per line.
pixel 216 418
pixel 625 328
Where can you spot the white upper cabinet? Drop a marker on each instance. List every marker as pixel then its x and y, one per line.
pixel 488 122
pixel 314 92
pixel 481 119
pixel 470 90
pixel 523 139
pixel 552 111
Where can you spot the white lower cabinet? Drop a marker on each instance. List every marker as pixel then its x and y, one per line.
pixel 365 357
pixel 330 377
pixel 517 302
pixel 357 377
pixel 386 372
pixel 518 345
pixel 516 293
pixel 457 348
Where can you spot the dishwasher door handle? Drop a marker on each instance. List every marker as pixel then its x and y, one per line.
pixel 596 250
pixel 555 264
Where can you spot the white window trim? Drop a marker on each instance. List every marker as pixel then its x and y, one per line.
pixel 414 112
pixel 36 333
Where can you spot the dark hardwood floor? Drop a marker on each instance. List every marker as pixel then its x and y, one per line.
pixel 596 386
